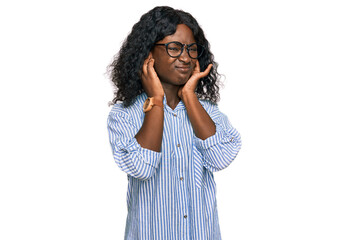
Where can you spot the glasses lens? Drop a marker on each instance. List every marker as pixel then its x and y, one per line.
pixel 174 49
pixel 195 50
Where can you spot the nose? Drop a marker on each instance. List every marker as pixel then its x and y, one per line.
pixel 184 57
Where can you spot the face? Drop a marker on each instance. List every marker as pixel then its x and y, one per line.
pixel 174 71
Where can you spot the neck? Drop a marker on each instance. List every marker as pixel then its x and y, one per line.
pixel 171 92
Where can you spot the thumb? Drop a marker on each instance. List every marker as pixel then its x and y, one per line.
pixel 206 72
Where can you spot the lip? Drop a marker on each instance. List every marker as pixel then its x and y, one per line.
pixel 184 69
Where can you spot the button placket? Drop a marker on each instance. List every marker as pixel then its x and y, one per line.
pixel 178 149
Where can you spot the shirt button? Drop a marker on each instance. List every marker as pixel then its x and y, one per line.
pixel 178 145
pixel 185 216
pixel 174 114
pixel 181 178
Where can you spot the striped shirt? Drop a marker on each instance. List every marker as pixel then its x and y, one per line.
pixel 171 194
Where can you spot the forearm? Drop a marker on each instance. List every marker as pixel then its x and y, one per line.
pixel 150 134
pixel 201 122
pixel 130 157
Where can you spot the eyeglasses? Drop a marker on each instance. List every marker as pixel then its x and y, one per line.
pixel 175 49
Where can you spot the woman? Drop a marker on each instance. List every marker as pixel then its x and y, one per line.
pixel 165 128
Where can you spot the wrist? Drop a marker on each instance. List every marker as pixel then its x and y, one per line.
pixel 158 98
pixel 152 102
pixel 188 97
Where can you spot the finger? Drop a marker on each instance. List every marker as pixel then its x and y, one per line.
pixel 197 67
pixel 144 67
pixel 207 71
pixel 150 68
pixel 143 78
pixel 146 62
pixel 150 65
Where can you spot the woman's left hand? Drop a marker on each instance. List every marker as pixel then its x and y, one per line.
pixel 191 84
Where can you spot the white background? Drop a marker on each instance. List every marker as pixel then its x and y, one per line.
pixel 292 89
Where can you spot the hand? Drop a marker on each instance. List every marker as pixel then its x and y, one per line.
pixel 150 81
pixel 191 84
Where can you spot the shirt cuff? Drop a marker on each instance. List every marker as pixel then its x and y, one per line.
pixel 221 136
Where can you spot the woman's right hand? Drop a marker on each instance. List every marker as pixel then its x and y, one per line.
pixel 150 81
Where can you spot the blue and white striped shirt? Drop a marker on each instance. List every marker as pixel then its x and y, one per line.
pixel 171 194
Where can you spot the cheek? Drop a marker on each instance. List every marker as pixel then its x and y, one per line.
pixel 193 64
pixel 163 65
pixel 160 67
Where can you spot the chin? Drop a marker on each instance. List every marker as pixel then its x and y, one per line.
pixel 183 81
pixel 176 79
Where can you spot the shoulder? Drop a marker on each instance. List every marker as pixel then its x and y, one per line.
pixel 209 106
pixel 213 110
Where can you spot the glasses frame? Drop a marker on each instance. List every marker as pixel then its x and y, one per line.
pixel 182 49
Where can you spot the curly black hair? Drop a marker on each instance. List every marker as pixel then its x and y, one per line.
pixel 154 26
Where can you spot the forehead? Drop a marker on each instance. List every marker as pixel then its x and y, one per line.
pixel 183 34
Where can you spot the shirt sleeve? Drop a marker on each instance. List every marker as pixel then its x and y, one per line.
pixel 219 150
pixel 130 157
